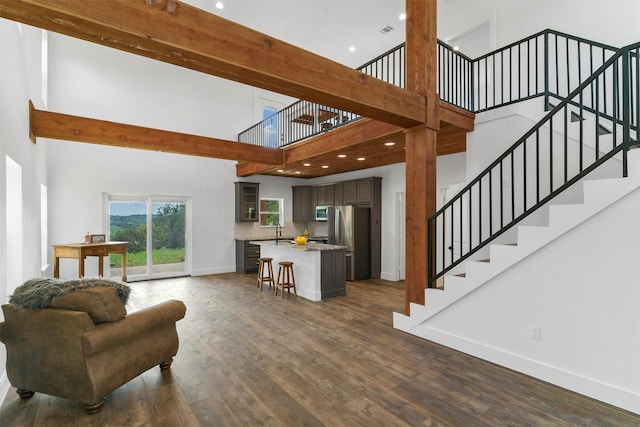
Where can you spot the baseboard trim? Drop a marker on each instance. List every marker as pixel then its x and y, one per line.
pixel 389 276
pixel 209 271
pixel 607 393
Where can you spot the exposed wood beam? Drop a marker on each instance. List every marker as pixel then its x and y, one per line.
pixel 421 143
pixel 360 137
pixel 343 137
pixel 45 124
pixel 183 35
pixel 456 116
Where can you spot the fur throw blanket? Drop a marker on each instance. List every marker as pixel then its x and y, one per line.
pixel 38 293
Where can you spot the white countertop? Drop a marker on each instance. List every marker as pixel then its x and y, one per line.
pixel 290 244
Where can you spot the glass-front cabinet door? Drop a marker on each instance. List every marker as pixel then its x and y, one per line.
pixel 247 196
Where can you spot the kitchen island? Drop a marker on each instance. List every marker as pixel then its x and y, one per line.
pixel 319 269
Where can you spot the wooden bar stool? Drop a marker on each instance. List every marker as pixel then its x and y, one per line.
pixel 286 279
pixel 265 272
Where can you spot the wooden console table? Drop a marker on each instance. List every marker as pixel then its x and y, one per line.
pixel 80 251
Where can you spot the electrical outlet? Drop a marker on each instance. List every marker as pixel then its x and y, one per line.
pixel 535 332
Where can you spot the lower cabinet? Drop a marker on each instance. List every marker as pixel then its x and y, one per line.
pixel 333 280
pixel 247 257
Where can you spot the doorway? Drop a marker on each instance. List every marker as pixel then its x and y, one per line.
pixel 401 228
pixel 156 229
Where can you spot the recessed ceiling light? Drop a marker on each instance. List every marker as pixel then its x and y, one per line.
pixel 389 144
pixel 342 156
pixel 297 171
pixel 325 167
pixel 456 48
pixel 361 158
pixel 352 48
pixel 219 5
pixel 280 170
pixel 402 16
pixel 307 164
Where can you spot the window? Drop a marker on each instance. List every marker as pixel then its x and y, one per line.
pixel 13 225
pixel 265 110
pixel 44 234
pixel 270 127
pixel 271 212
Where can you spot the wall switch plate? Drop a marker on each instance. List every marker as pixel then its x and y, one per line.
pixel 535 332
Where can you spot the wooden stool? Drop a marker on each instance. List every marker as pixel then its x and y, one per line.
pixel 286 279
pixel 265 274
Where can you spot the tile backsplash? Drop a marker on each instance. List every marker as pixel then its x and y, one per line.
pixel 252 230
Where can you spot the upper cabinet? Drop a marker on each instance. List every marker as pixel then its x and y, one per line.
pixel 337 194
pixel 360 192
pixel 303 208
pixel 325 195
pixel 247 199
pixel 349 193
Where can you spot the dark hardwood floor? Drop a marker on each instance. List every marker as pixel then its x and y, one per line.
pixel 247 358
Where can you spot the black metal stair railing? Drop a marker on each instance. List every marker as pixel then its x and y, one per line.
pixel 549 62
pixel 566 145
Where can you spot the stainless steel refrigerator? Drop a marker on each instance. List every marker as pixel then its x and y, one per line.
pixel 349 226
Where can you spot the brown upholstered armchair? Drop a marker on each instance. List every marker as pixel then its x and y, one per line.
pixel 83 345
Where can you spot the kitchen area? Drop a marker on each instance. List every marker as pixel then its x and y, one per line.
pixel 342 223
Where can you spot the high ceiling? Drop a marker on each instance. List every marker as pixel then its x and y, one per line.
pixel 190 42
pixel 328 28
pixel 325 27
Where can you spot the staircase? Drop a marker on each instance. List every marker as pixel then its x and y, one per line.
pixel 539 285
pixel 598 195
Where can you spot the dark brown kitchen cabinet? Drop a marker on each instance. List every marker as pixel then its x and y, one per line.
pixel 349 193
pixel 247 256
pixel 325 195
pixel 366 192
pixel 247 199
pixel 333 281
pixel 363 191
pixel 302 204
pixel 337 194
pixel 359 192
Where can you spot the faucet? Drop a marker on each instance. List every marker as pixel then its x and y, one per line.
pixel 278 231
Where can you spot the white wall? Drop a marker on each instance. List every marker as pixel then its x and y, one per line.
pixel 584 301
pixel 93 81
pixel 17 50
pixel 614 23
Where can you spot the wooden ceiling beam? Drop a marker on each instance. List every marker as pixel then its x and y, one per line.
pixel 45 124
pixel 363 130
pixel 180 34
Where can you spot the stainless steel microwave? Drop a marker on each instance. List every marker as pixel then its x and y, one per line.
pixel 321 213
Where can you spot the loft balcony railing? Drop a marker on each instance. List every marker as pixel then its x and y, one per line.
pixel 305 119
pixel 594 123
pixel 548 64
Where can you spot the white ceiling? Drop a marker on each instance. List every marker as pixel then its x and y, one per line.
pixel 325 27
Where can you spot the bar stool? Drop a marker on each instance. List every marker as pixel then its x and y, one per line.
pixel 265 272
pixel 286 279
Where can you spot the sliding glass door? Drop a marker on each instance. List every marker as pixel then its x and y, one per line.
pixel 155 229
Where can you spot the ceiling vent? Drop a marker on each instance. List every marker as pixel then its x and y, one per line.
pixel 386 30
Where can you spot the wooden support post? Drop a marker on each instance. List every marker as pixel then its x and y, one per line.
pixel 421 143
